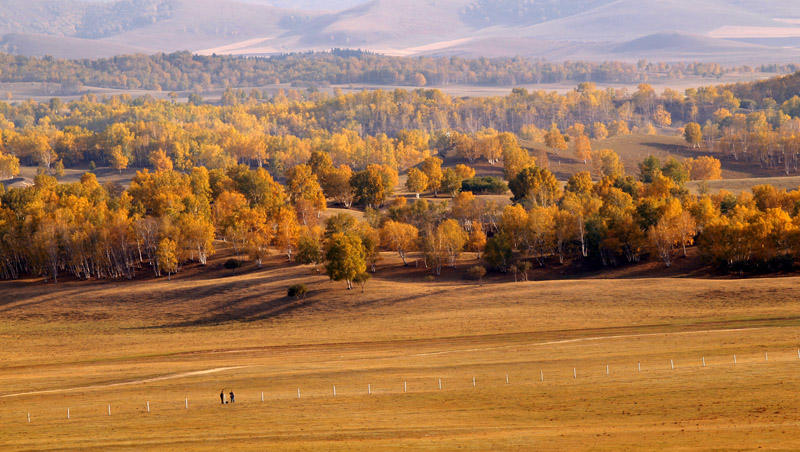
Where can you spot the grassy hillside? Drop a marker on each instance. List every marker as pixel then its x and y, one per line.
pixel 84 346
pixel 632 149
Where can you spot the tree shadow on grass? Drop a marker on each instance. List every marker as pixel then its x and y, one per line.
pixel 241 310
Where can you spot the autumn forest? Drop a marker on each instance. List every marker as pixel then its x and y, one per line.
pixel 257 172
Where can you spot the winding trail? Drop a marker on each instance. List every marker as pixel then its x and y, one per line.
pixel 128 383
pixel 586 339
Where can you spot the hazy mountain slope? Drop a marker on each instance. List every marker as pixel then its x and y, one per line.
pixel 387 23
pixel 310 5
pixel 199 24
pixel 64 47
pixel 687 47
pixel 630 19
pixel 80 19
pixel 482 13
pixel 553 29
pixel 41 16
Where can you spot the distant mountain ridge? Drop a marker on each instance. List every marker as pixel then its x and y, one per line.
pixel 725 31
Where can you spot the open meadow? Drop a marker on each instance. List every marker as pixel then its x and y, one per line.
pixel 537 350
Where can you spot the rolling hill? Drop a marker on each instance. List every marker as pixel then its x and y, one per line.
pixel 727 31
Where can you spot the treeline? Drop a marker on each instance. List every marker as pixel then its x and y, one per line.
pixel 769 138
pixel 778 89
pixel 167 219
pixel 397 128
pixel 183 71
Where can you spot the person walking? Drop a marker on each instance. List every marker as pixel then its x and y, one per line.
pixel 232 397
pixel 222 397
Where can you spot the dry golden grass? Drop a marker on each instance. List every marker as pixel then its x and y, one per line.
pixel 745 184
pixel 632 149
pixel 126 343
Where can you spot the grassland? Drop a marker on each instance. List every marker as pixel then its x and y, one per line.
pixel 84 345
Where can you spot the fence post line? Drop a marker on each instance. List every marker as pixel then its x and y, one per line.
pixel 298 393
pixel 187 403
pixel 109 410
pixel 672 364
pixel 334 390
pixel 369 389
pixel 148 407
pixel 473 381
pixel 506 378
pixel 607 373
pixel 262 396
pixel 766 356
pixel 29 418
pixel 67 413
pixel 704 361
pixel 440 384
pixel 640 366
pixel 541 374
pixel 405 386
pixel 734 358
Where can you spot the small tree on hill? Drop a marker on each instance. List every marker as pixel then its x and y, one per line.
pixel 477 272
pixel 417 181
pixel 361 279
pixel 583 148
pixel 297 290
pixel 523 267
pixel 693 134
pixel 167 258
pixel 345 258
pixel 554 139
pixel 232 265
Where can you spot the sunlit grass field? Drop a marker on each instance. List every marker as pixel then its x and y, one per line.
pixel 570 349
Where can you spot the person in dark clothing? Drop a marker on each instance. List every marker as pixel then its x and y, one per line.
pixel 222 397
pixel 232 397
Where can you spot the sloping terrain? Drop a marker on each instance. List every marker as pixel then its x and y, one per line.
pixel 727 31
pixel 637 364
pixel 40 45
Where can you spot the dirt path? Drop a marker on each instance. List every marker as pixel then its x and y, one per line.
pixel 128 383
pixel 585 339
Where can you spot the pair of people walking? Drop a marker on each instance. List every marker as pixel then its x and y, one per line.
pixel 222 397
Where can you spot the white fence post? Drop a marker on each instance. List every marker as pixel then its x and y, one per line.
pixel 148 407
pixel 109 410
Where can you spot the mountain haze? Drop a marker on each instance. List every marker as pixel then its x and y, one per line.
pixel 725 31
